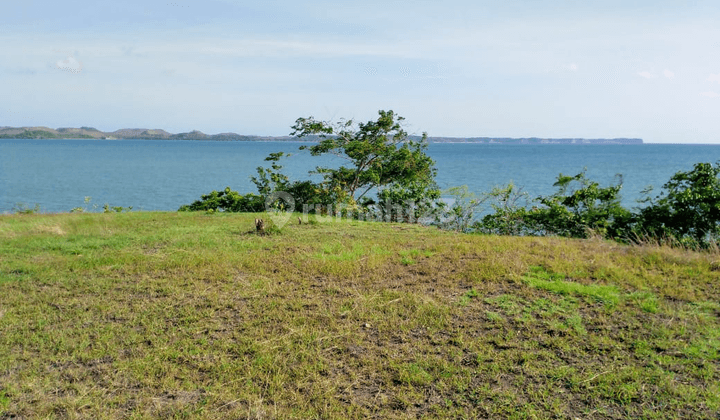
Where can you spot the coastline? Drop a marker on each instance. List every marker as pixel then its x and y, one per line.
pixel 90 133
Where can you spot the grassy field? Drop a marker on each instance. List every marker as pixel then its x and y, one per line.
pixel 182 315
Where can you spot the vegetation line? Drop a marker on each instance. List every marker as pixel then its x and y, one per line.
pixel 382 158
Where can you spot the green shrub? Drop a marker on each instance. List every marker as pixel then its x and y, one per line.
pixel 227 200
pixel 578 209
pixel 509 216
pixel 688 209
pixel 22 208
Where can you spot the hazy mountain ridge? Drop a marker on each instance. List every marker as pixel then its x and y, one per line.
pixel 531 140
pixel 41 132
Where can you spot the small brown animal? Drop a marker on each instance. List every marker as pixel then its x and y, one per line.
pixel 299 220
pixel 259 225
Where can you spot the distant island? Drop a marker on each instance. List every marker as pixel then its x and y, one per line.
pixel 158 134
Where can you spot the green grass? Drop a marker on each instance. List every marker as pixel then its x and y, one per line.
pixel 410 256
pixel 539 278
pixel 182 315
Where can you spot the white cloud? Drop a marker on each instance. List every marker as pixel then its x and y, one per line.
pixel 714 78
pixel 646 74
pixel 669 74
pixel 69 64
pixel 710 94
pixel 573 67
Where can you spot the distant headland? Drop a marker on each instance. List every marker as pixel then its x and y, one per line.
pixel 158 134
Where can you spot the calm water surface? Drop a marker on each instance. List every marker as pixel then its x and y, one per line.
pixel 163 175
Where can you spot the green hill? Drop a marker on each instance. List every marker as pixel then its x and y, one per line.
pixel 150 315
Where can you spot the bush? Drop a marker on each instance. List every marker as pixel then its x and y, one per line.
pixel 460 214
pixel 509 216
pixel 581 207
pixel 227 200
pixel 22 208
pixel 686 212
pixel 411 202
pixel 578 209
pixel 688 209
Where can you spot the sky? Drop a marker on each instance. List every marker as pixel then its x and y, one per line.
pixel 567 68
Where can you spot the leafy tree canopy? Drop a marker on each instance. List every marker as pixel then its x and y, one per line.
pixel 379 153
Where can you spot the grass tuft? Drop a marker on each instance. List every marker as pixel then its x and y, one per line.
pixel 537 277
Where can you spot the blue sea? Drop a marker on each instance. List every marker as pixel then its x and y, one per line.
pixel 163 175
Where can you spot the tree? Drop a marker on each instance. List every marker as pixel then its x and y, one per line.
pixel 381 156
pixel 271 179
